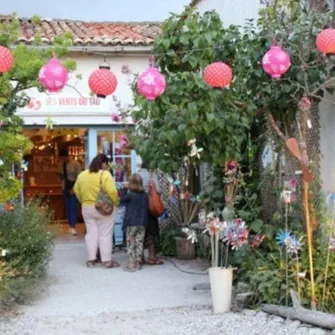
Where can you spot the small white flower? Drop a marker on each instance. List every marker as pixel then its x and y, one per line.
pixel 4 252
pixel 302 274
pixel 191 142
pixel 195 151
pixel 191 234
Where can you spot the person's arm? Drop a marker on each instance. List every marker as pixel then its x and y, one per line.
pixel 110 188
pixel 126 197
pixel 78 169
pixel 60 175
pixel 76 190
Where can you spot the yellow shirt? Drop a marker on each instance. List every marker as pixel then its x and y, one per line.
pixel 87 187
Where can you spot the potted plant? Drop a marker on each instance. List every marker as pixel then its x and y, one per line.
pixel 225 236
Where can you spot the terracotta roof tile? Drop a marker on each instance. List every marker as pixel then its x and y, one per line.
pixel 90 33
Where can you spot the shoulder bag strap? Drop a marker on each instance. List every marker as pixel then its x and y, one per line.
pixel 101 180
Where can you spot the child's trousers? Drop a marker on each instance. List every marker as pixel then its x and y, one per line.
pixel 135 240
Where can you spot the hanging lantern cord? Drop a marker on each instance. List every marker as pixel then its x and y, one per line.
pixel 105 64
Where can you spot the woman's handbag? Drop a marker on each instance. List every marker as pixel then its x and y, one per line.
pixel 103 204
pixel 156 206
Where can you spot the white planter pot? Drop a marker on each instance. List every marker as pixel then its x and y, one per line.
pixel 221 281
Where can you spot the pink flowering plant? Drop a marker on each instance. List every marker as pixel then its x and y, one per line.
pixel 225 237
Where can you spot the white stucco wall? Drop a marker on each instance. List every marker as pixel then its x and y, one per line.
pixel 232 11
pixel 69 107
pixel 327 123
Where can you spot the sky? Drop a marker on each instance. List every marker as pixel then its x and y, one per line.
pixel 102 10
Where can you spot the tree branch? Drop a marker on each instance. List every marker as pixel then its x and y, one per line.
pixel 275 126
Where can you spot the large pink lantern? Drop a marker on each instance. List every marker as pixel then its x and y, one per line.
pixel 151 84
pixel 53 76
pixel 276 62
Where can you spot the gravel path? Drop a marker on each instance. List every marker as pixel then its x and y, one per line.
pixel 177 321
pixel 156 300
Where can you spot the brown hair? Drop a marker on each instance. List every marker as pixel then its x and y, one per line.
pixel 136 183
pixel 97 162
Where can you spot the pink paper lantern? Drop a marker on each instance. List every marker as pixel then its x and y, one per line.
pixel 53 76
pixel 151 84
pixel 276 62
pixel 325 41
pixel 6 59
pixel 102 82
pixel 218 75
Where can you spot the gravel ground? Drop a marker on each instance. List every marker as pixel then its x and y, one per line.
pixel 177 321
pixel 156 300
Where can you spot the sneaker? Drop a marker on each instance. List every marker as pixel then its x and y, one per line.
pixel 73 232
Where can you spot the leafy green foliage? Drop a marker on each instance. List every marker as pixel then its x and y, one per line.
pixel 167 245
pixel 13 85
pixel 189 109
pixel 24 234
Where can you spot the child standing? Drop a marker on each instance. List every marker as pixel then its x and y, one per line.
pixel 135 221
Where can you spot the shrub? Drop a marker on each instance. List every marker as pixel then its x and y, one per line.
pixel 167 245
pixel 24 234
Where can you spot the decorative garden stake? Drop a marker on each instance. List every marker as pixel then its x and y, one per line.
pixel 276 62
pixel 151 84
pixel 325 41
pixel 6 59
pixel 102 82
pixel 218 75
pixel 53 76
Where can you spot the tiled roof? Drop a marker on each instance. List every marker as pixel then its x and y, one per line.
pixel 90 33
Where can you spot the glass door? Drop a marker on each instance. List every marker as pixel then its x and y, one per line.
pixel 110 143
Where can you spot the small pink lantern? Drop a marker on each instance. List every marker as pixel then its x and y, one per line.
pixel 53 76
pixel 151 84
pixel 276 62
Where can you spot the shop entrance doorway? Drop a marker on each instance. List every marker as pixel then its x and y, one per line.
pixel 43 163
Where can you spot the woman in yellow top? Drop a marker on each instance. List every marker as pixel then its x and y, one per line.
pixel 99 228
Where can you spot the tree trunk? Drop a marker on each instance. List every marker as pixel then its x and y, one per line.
pixel 315 318
pixel 320 6
pixel 318 319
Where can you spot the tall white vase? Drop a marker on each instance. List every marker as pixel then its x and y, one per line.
pixel 221 281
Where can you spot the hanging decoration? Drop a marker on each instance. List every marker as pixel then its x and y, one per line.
pixel 53 76
pixel 218 75
pixel 151 83
pixel 276 62
pixel 102 82
pixel 6 59
pixel 325 41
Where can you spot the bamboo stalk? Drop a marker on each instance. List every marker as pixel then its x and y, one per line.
pixel 213 249
pixel 227 254
pixel 286 256
pixel 310 243
pixel 217 250
pixel 298 279
pixel 326 278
